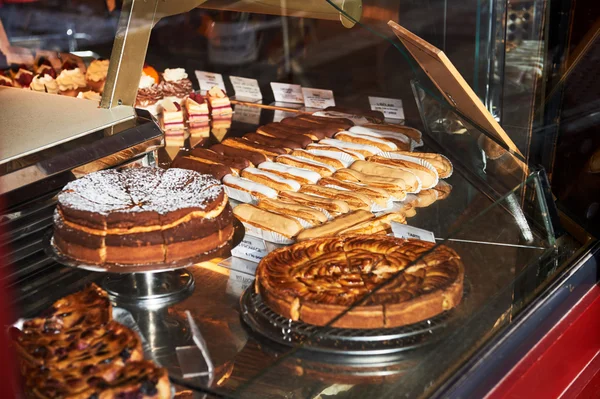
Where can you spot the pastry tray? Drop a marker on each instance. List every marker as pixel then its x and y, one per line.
pixel 373 343
pixel 54 253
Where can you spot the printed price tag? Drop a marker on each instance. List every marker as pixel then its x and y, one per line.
pixel 391 107
pixel 245 88
pixel 208 80
pixel 238 282
pixel 318 98
pixel 287 93
pixel 405 231
pixel 251 248
pixel 247 114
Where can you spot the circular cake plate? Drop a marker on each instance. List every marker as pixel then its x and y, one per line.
pixel 375 345
pixel 53 252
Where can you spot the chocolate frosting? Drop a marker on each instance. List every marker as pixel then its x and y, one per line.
pixel 148 96
pixel 179 89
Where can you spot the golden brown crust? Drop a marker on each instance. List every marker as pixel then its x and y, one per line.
pixel 334 207
pixel 311 215
pixel 426 198
pixel 300 163
pixel 266 180
pixel 443 189
pixel 354 200
pixel 378 195
pixel 285 225
pixel 335 226
pixel 415 279
pixel 428 177
pixel 380 224
pixel 396 187
pixel 440 163
pixel 382 143
pixel 336 163
pixel 414 134
pixel 413 183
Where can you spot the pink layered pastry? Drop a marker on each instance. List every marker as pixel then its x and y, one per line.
pixel 171 116
pixel 218 102
pixel 196 110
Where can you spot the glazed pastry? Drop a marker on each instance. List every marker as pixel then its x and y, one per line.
pixel 396 187
pixel 327 129
pixel 322 169
pixel 440 163
pixel 287 145
pixel 414 134
pixel 196 111
pixel 320 156
pixel 258 190
pixel 44 70
pixel 333 227
pixel 148 94
pixel 374 116
pixel 402 141
pixel 413 183
pixel 96 75
pixel 354 200
pixel 171 115
pixel 443 189
pixel 218 102
pixel 324 147
pixel 333 206
pixel 427 176
pixel 311 215
pixel 175 84
pixel 235 163
pixel 364 149
pixel 301 175
pixel 71 82
pixel 285 225
pixel 343 122
pixel 255 158
pixel 44 84
pixel 270 179
pixel 378 195
pixel 276 131
pixel 200 165
pixel 382 144
pixel 268 151
pixel 380 225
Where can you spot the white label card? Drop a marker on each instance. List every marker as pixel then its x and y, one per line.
pixel 287 93
pixel 247 114
pixel 251 248
pixel 208 80
pixel 246 88
pixel 391 107
pixel 405 231
pixel 318 98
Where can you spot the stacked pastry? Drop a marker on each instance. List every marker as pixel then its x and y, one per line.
pixel 76 350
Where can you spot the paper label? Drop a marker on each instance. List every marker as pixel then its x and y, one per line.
pixel 287 93
pixel 251 248
pixel 208 80
pixel 247 114
pixel 238 282
pixel 246 88
pixel 405 231
pixel 318 98
pixel 391 107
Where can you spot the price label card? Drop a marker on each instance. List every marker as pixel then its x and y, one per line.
pixel 246 88
pixel 238 282
pixel 208 80
pixel 405 231
pixel 287 93
pixel 251 248
pixel 391 107
pixel 318 98
pixel 247 114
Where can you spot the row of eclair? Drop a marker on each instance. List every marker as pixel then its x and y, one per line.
pixel 313 176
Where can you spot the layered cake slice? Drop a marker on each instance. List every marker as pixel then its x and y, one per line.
pixel 171 115
pixel 196 110
pixel 218 102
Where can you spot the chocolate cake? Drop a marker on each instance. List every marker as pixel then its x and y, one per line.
pixel 141 216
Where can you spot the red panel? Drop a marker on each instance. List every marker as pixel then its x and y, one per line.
pixel 565 362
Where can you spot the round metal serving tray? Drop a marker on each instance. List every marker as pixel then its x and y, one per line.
pixel 376 343
pixel 53 252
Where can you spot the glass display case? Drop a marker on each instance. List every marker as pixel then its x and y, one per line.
pixel 486 110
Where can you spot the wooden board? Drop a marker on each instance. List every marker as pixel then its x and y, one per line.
pixel 450 83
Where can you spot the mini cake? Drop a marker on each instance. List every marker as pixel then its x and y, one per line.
pixel 95 75
pixel 44 83
pixel 141 216
pixel 176 84
pixel 71 82
pixel 218 102
pixel 69 65
pixel 196 111
pixel 148 95
pixel 171 115
pixel 6 81
pixel 44 67
pixel 23 78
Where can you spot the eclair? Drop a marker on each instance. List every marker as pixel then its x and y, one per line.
pixel 260 218
pixel 276 131
pixel 287 145
pixel 254 157
pixel 334 207
pixel 413 183
pixel 212 157
pixel 302 176
pixel 379 225
pixel 311 215
pixel 364 149
pixel 320 157
pixel 270 179
pixel 269 151
pixel 443 189
pixel 333 227
pixel 198 165
pixel 321 168
pixel 256 189
pixel 413 133
pixel 402 141
pixel 440 163
pixel 346 123
pixel 376 116
pixel 328 129
pixel 396 187
pixel 382 144
pixel 428 177
pixel 378 195
pixel 324 147
pixel 354 200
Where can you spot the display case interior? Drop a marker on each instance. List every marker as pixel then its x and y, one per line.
pixel 496 241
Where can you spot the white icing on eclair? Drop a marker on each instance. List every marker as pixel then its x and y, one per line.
pixel 321 155
pixel 294 185
pixel 248 185
pixel 307 161
pixel 317 146
pixel 353 146
pixel 345 159
pixel 390 146
pixel 306 174
pixel 380 133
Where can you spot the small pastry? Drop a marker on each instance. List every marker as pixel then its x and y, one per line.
pixel 287 226
pixel 256 189
pixel 353 199
pixel 6 81
pixel 301 175
pixel 311 215
pixel 276 130
pixel 171 115
pixel 175 84
pixel 324 147
pixel 45 84
pixel 379 225
pixel 333 206
pixel 69 65
pixel 268 151
pixel 196 110
pixel 320 156
pixel 23 78
pixel 197 164
pixel 71 82
pixel 358 138
pixel 378 195
pixel 254 157
pixel 43 66
pixel 15 68
pixel 90 95
pixel 364 149
pixel 269 179
pixel 150 71
pixel 335 226
pixel 412 181
pixel 322 169
pixel 96 75
pixel 148 95
pixel 209 156
pixel 287 145
pixel 218 102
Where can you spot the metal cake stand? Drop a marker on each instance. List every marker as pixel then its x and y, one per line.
pixel 151 285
